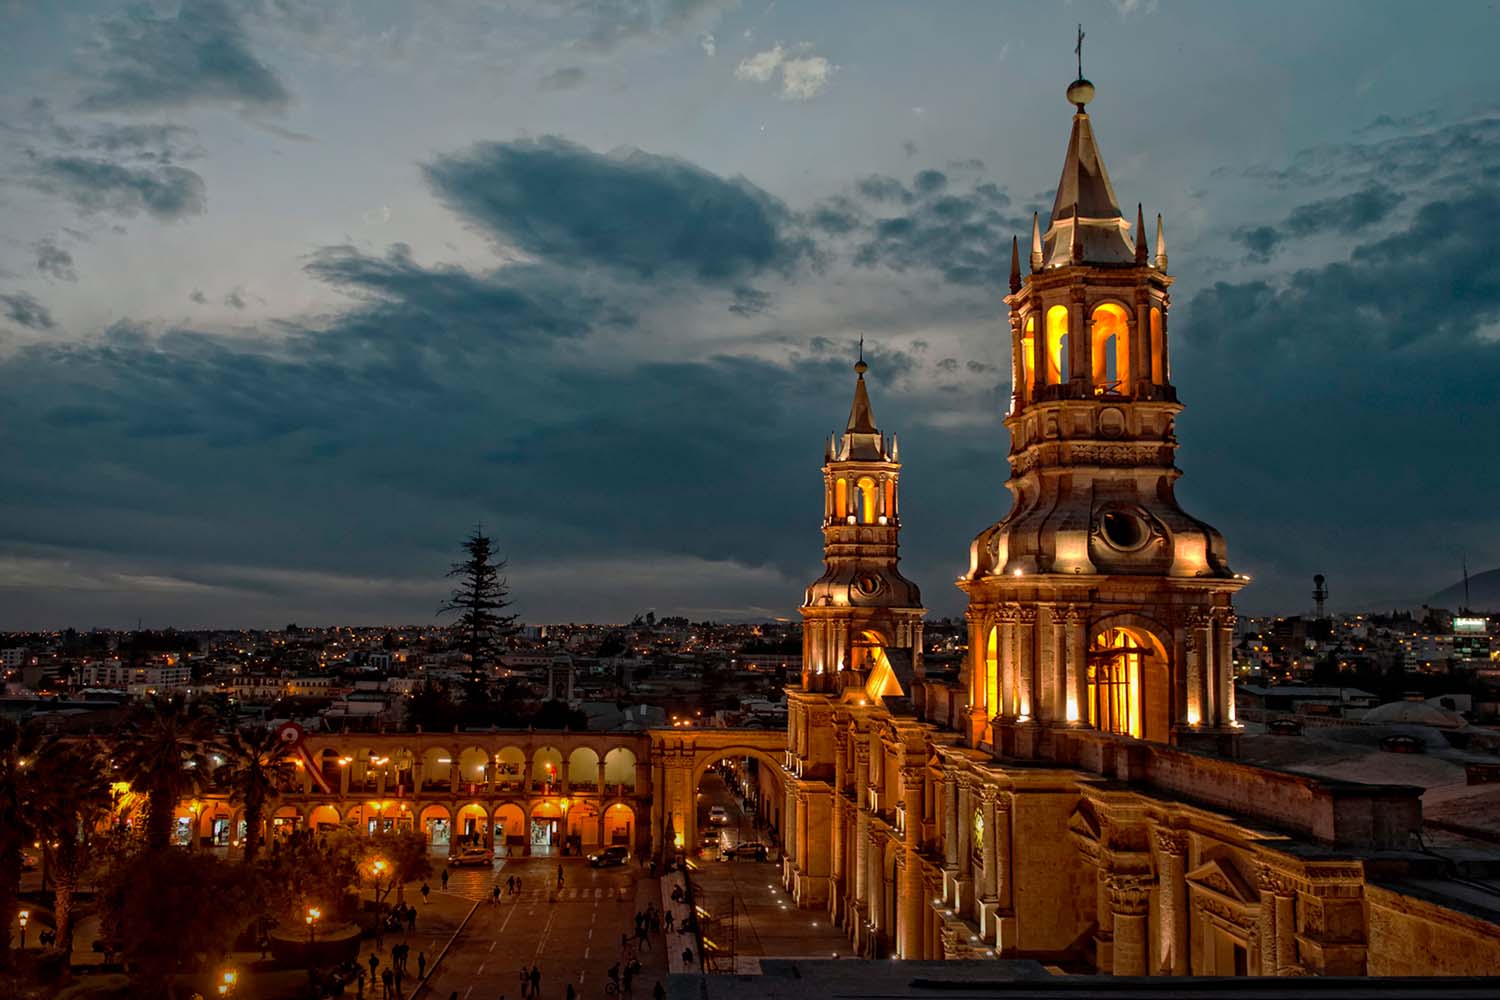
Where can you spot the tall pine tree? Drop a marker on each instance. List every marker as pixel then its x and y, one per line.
pixel 478 600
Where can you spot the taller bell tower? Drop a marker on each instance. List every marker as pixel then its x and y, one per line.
pixel 1097 601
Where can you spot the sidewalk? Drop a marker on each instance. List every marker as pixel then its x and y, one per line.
pixel 677 940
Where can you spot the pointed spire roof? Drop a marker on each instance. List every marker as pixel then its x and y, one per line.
pixel 1086 212
pixel 863 441
pixel 1015 264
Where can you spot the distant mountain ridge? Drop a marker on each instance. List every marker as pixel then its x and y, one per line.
pixel 1484 594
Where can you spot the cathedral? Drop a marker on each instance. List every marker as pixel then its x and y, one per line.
pixel 1071 794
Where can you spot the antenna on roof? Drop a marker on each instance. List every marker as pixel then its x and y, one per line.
pixel 1466 583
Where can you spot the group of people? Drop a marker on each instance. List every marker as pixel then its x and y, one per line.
pixel 391 976
pixel 512 888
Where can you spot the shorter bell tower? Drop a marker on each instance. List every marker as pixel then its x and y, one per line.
pixel 862 620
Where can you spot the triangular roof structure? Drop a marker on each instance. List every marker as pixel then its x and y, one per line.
pixel 1086 200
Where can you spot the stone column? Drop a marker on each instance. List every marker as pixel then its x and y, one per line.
pixel 1077 685
pixel 950 822
pixel 877 884
pixel 1223 653
pixel 836 823
pixel 862 821
pixel 913 901
pixel 601 783
pixel 965 828
pixel 1129 896
pixel 789 820
pixel 1278 892
pixel 344 780
pixel 1171 902
pixel 1005 867
pixel 1026 661
pixel 1006 643
pixel 1198 709
pixel 989 890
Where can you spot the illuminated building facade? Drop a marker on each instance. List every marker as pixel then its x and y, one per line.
pixel 1070 795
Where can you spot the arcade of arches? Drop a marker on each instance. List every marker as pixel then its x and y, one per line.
pixel 516 792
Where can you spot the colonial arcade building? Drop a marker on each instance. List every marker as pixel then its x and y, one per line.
pixel 1071 794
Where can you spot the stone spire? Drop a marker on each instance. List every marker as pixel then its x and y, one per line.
pixel 862 439
pixel 1086 213
pixel 1161 245
pixel 1015 265
pixel 1140 235
pixel 1036 243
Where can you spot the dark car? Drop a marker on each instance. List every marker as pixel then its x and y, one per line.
pixel 616 855
pixel 745 851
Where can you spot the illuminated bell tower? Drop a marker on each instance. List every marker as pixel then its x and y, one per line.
pixel 1096 602
pixel 862 620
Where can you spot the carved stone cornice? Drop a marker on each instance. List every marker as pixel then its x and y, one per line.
pixel 1026 615
pixel 1007 614
pixel 1274 881
pixel 1170 842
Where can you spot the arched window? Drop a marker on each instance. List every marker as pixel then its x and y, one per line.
pixel 840 499
pixel 890 498
pixel 1028 359
pixel 1110 346
pixel 1057 345
pixel 866 487
pixel 1158 350
pixel 1114 681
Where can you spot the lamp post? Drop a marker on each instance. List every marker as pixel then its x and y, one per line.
pixel 24 917
pixel 378 868
pixel 313 913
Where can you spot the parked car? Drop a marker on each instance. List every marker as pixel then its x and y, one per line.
pixel 471 856
pixel 616 855
pixel 718 815
pixel 744 852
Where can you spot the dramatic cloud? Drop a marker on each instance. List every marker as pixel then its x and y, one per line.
pixel 803 74
pixel 1345 214
pixel 235 299
pixel 562 78
pixel 55 262
pixel 26 311
pixel 630 211
pixel 963 234
pixel 166 193
pixel 201 55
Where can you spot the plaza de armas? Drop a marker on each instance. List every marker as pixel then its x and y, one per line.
pixel 1062 783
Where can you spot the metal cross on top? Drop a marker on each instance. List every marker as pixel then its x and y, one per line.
pixel 1078 50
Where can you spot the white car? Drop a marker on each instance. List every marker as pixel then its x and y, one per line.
pixel 717 815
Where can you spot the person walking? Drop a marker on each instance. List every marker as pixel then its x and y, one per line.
pixel 559 875
pixel 426 892
pixel 495 894
pixel 658 992
pixel 536 980
pixel 374 964
pixel 525 982
pixel 385 981
pixel 421 965
pixel 445 878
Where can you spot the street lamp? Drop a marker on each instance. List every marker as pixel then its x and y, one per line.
pixel 313 913
pixel 228 980
pixel 24 917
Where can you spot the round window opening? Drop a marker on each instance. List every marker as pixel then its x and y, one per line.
pixel 1123 529
pixel 868 584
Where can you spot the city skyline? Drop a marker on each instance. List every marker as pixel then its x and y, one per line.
pixel 267 354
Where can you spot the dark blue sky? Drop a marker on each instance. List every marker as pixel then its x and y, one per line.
pixel 292 294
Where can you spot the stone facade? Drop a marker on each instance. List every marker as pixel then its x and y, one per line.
pixel 1070 795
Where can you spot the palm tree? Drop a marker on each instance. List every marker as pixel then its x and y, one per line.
pixel 162 756
pixel 18 753
pixel 257 762
pixel 69 796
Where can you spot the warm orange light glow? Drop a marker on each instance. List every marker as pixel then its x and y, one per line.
pixel 1028 356
pixel 1057 341
pixel 866 487
pixel 840 497
pixel 1114 681
pixel 1158 350
pixel 1109 341
pixel 992 673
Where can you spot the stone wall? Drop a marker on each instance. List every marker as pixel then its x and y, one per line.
pixel 1412 937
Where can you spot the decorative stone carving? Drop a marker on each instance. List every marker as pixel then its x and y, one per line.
pixel 1128 894
pixel 1173 842
pixel 1276 882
